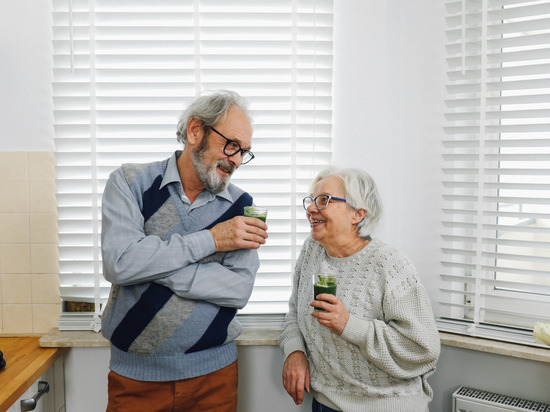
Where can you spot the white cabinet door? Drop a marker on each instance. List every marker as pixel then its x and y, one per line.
pixel 16 407
pixel 54 399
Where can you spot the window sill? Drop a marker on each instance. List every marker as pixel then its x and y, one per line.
pixel 269 336
pixel 85 338
pixel 496 347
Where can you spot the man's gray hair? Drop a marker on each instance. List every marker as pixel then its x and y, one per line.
pixel 361 193
pixel 209 109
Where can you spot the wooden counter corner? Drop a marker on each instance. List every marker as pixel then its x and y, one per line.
pixel 26 361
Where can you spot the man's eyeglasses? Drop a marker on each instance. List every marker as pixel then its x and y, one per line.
pixel 232 147
pixel 321 201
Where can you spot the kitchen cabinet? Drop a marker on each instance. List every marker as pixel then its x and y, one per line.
pixel 26 365
pixel 51 401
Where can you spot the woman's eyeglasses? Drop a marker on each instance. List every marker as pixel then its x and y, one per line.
pixel 321 201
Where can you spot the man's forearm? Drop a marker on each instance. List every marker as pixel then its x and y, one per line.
pixel 228 284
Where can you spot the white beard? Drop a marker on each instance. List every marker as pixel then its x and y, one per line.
pixel 211 180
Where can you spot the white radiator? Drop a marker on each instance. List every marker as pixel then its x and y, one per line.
pixel 475 400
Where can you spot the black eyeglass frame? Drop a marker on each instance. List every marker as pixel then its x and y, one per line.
pixel 240 150
pixel 314 200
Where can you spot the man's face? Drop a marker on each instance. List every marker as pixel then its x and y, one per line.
pixel 206 170
pixel 213 166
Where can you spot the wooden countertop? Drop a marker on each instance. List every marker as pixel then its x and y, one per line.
pixel 26 361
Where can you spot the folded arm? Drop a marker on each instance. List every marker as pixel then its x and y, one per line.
pixel 187 264
pixel 226 284
pixel 132 257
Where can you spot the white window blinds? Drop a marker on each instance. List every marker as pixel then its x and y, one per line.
pixel 123 72
pixel 496 175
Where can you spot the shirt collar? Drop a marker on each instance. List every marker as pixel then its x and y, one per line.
pixel 172 175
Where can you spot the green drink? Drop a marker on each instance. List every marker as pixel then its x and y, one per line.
pixel 323 284
pixel 257 212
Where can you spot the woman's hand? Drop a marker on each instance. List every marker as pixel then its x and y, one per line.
pixel 296 376
pixel 336 315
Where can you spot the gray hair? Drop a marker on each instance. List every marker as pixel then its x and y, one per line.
pixel 209 109
pixel 361 193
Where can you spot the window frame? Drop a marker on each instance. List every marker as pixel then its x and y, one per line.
pixel 291 103
pixel 473 301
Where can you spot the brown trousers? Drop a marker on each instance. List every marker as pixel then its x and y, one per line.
pixel 215 392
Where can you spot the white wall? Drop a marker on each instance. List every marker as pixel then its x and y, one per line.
pixel 388 85
pixel 387 116
pixel 26 109
pixel 260 386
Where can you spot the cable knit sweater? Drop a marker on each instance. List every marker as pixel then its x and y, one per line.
pixel 390 344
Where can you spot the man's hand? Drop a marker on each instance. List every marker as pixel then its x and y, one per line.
pixel 239 233
pixel 296 376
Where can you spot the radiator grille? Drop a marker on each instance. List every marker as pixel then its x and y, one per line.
pixel 495 399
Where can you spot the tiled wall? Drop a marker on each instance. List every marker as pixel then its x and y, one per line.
pixel 29 283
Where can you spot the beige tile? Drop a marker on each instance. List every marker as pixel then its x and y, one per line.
pixel 1 319
pixel 44 258
pixel 45 289
pixel 14 228
pixel 15 259
pixel 41 166
pixel 14 197
pixel 43 228
pixel 16 288
pixel 44 317
pixel 17 318
pixel 42 197
pixel 13 166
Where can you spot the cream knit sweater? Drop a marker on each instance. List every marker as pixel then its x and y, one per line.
pixel 390 344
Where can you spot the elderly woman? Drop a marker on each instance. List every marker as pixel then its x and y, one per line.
pixel 372 346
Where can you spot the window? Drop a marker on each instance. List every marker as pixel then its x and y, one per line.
pixel 123 72
pixel 496 217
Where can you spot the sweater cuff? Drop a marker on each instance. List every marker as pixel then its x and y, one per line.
pixel 291 346
pixel 355 330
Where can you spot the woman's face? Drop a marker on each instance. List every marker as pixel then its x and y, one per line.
pixel 335 225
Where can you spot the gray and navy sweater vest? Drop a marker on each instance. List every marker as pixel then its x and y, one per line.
pixel 156 335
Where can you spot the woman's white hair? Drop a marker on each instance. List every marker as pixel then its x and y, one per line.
pixel 360 192
pixel 209 109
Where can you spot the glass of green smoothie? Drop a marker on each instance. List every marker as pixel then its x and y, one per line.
pixel 255 211
pixel 323 283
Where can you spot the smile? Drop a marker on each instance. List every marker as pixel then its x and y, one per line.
pixel 226 169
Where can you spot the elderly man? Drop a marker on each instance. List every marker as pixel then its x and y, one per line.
pixel 182 259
